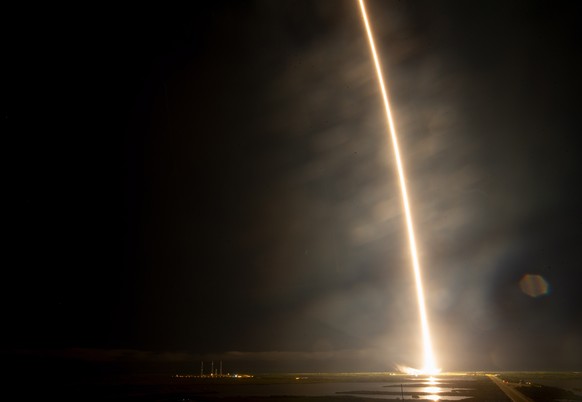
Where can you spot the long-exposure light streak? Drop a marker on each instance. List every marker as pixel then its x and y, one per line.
pixel 429 360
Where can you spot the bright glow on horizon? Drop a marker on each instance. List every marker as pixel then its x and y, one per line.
pixel 417 372
pixel 429 360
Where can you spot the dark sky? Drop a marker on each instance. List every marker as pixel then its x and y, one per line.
pixel 217 183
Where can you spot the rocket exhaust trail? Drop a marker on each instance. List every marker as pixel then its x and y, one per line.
pixel 429 361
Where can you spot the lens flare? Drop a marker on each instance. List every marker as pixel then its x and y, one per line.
pixel 429 360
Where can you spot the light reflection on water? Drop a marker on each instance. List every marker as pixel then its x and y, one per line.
pixel 376 390
pixel 431 388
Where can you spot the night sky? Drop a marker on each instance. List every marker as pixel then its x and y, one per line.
pixel 216 183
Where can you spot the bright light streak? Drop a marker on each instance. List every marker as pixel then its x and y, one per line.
pixel 429 360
